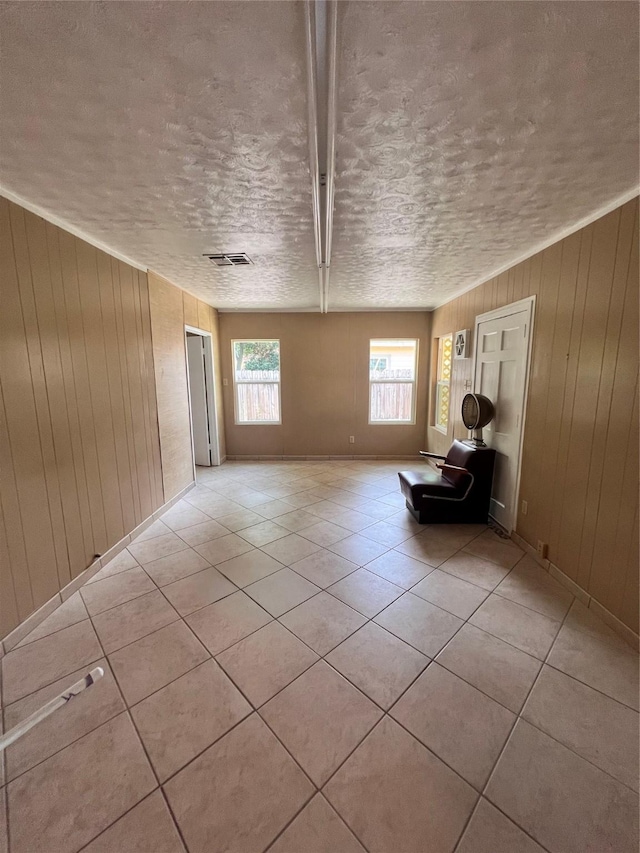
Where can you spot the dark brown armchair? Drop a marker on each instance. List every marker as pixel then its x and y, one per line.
pixel 458 492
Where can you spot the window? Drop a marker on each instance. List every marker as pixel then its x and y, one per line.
pixel 256 376
pixel 443 382
pixel 392 381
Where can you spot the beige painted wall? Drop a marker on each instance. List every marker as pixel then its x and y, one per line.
pixel 580 461
pixel 325 384
pixel 79 450
pixel 172 309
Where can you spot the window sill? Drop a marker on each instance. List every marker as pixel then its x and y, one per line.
pixel 441 430
pixel 392 423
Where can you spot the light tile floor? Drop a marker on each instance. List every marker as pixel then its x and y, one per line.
pixel 293 664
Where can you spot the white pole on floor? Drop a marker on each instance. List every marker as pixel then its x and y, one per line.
pixel 42 713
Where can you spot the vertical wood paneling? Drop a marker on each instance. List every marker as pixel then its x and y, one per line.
pixel 170 310
pixel 83 405
pixel 21 414
pixel 167 324
pixel 626 539
pixel 78 555
pixel 63 501
pixel 610 435
pixel 617 543
pixel 16 582
pixel 114 379
pixel 29 240
pixel 130 307
pixel 78 446
pixel 541 374
pixel 120 272
pixel 99 389
pixel 550 462
pixel 9 600
pixel 580 459
pixel 617 449
pixel 154 447
pixel 204 316
pixel 566 412
pixel 581 493
pixel 190 308
pixel 142 445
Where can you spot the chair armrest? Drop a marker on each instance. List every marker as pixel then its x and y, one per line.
pixel 431 455
pixel 454 468
pixel 472 480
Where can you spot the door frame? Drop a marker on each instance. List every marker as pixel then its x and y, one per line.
pixel 527 304
pixel 210 384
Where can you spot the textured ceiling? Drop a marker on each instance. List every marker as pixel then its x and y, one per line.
pixel 166 130
pixel 468 133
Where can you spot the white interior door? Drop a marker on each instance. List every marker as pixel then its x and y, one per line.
pixel 198 400
pixel 501 361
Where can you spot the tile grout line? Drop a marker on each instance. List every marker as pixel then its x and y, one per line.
pixel 336 812
pixel 595 689
pixel 369 619
pixel 386 712
pixel 508 740
pixel 325 589
pixel 49 683
pixel 430 660
pixel 140 740
pixel 86 734
pixel 182 618
pixel 126 710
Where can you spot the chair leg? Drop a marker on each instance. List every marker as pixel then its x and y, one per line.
pixel 414 512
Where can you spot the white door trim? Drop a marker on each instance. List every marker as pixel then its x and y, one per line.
pixel 527 304
pixel 210 380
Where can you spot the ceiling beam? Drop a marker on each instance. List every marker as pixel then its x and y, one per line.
pixel 314 160
pixel 321 20
pixel 332 97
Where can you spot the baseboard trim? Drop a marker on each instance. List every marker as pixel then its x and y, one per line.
pixel 34 619
pixel 261 458
pixel 627 634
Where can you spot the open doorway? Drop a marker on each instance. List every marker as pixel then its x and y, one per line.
pixel 501 372
pixel 202 397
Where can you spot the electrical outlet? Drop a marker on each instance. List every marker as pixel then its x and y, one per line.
pixel 525 507
pixel 542 549
pixel 352 439
pixel 225 381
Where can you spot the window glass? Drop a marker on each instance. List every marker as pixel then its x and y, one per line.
pixel 392 379
pixel 256 375
pixel 443 381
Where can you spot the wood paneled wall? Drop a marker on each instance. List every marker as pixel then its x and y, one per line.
pixel 79 449
pixel 325 384
pixel 172 309
pixel 580 460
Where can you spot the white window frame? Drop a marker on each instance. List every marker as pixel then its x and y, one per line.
pixel 394 381
pixel 236 382
pixel 444 429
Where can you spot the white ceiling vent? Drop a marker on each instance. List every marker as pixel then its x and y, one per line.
pixel 230 259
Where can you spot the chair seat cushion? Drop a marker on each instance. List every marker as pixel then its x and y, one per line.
pixel 414 485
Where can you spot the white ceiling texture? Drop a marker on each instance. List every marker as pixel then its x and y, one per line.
pixel 454 138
